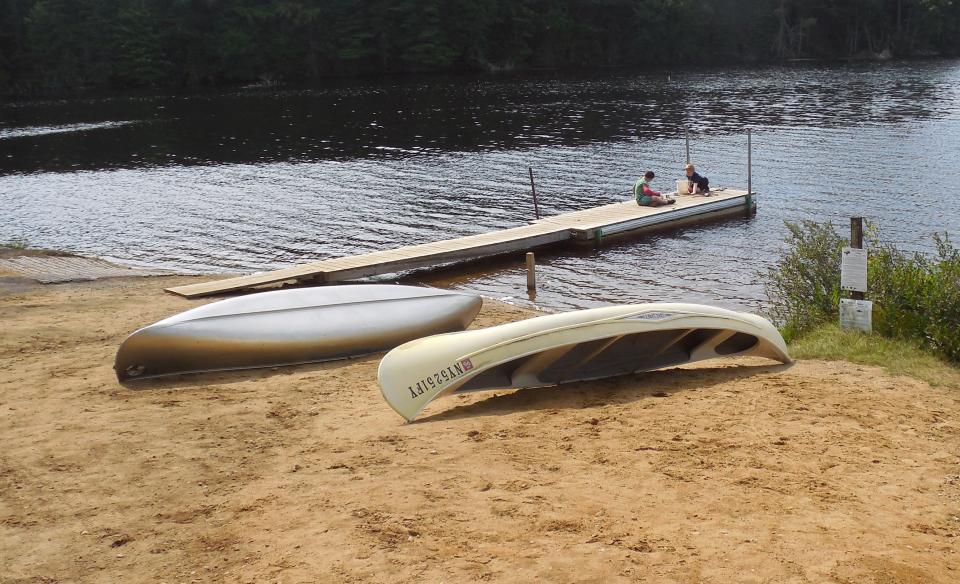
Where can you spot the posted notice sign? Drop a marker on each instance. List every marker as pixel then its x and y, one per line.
pixel 856 315
pixel 853 269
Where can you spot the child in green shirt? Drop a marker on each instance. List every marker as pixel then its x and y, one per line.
pixel 646 196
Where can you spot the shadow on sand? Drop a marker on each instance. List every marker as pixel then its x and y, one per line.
pixel 615 390
pixel 199 380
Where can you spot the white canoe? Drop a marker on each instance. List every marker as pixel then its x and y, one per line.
pixel 286 327
pixel 572 346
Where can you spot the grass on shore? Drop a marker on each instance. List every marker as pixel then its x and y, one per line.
pixel 14 244
pixel 898 357
pixel 21 247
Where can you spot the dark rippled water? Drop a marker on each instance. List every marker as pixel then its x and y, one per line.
pixel 259 179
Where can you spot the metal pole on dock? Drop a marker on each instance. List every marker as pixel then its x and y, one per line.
pixel 533 189
pixel 531 272
pixel 686 139
pixel 856 242
pixel 749 172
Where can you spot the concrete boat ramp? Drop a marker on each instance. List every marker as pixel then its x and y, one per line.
pixel 55 269
pixel 588 225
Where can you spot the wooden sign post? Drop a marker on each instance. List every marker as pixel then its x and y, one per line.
pixel 855 312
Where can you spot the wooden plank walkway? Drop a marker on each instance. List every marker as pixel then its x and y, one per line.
pixel 616 218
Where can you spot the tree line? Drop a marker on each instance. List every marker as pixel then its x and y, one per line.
pixel 64 45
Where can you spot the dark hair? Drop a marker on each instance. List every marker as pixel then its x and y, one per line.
pixel 648 175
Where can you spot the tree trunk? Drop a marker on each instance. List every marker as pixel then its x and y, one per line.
pixel 783 34
pixel 899 20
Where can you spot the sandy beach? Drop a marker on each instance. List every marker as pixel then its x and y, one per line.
pixel 728 471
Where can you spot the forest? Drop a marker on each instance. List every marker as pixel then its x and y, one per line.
pixel 63 46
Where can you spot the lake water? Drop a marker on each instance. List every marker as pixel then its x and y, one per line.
pixel 257 179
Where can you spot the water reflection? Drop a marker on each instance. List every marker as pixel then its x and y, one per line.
pixel 410 118
pixel 29 131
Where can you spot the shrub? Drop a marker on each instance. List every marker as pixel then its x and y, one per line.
pixel 804 285
pixel 916 297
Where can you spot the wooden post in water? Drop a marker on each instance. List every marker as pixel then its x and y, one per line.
pixel 686 140
pixel 856 242
pixel 533 189
pixel 749 173
pixel 531 272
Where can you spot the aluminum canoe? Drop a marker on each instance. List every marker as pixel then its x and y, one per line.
pixel 572 346
pixel 287 327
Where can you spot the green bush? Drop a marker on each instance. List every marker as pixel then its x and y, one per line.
pixel 916 297
pixel 804 285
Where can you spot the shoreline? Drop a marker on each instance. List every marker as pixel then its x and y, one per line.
pixel 476 74
pixel 822 471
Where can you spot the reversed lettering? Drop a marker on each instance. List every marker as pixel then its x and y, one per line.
pixel 440 378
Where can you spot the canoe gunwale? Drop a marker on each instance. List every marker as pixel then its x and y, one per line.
pixel 603 321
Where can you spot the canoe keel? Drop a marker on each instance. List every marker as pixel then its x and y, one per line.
pixel 312 325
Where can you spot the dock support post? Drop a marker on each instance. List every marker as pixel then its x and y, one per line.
pixel 686 140
pixel 531 272
pixel 533 189
pixel 749 173
pixel 856 242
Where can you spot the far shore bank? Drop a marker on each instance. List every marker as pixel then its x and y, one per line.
pixel 733 469
pixel 493 73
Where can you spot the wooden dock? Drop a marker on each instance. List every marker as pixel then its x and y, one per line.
pixel 587 225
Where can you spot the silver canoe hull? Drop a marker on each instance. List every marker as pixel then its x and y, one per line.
pixel 287 327
pixel 572 346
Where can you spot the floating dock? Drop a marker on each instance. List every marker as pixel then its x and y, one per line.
pixel 588 225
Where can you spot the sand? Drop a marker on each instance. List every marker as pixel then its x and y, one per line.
pixel 731 471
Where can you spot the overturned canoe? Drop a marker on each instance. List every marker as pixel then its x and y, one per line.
pixel 572 346
pixel 287 327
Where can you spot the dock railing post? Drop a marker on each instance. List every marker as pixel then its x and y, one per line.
pixel 531 272
pixel 749 172
pixel 533 189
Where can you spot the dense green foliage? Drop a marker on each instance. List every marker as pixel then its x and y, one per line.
pixel 916 297
pixel 56 45
pixel 804 285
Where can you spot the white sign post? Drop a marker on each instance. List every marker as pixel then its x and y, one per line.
pixel 856 313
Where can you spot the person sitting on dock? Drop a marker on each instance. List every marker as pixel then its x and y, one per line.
pixel 647 197
pixel 698 184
